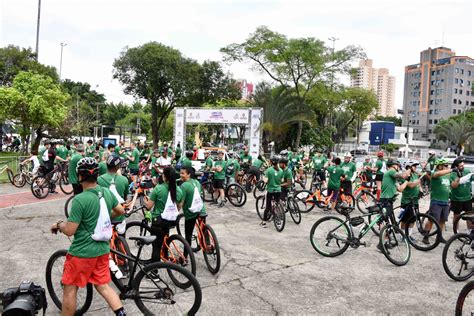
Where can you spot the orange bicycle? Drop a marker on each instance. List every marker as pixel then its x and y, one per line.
pixel 206 240
pixel 306 200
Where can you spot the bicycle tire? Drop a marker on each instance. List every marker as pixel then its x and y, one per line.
pixel 29 178
pixel 180 220
pixel 143 230
pixel 19 180
pixel 363 199
pixel 378 226
pixel 179 259
pixel 57 297
pixel 40 187
pixel 462 297
pixel 456 229
pixel 125 265
pixel 279 217
pixel 260 206
pixel 213 250
pixel 236 194
pixel 151 269
pixel 10 175
pixel 419 220
pixel 459 256
pixel 294 210
pixel 207 191
pixel 67 206
pixel 305 205
pixel 338 224
pixel 64 183
pixel 259 189
pixel 347 206
pixel 389 236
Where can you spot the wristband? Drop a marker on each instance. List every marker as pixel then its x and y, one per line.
pixel 59 222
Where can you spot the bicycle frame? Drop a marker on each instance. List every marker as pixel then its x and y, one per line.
pixel 362 232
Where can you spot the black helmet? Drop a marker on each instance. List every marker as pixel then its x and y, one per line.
pixel 189 154
pixel 283 160
pixel 393 162
pixel 88 168
pixel 113 161
pixel 275 159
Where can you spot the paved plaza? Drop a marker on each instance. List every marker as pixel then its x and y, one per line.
pixel 263 272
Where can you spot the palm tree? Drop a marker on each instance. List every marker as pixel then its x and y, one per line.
pixel 455 131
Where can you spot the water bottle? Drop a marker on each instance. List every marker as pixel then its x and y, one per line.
pixel 115 269
pixel 362 230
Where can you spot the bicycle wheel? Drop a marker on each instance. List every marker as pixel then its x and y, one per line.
pixel 236 194
pixel 345 203
pixel 10 175
pixel 294 210
pixel 259 189
pixel 180 222
pixel 329 236
pixel 378 226
pixel 207 191
pixel 29 177
pixel 365 200
pixel 40 187
pixel 456 256
pixel 176 250
pixel 125 266
pixel 460 225
pixel 54 273
pixel 465 301
pixel 67 206
pixel 19 180
pixel 135 229
pixel 157 294
pixel 211 250
pixel 279 217
pixel 395 245
pixel 260 205
pixel 305 202
pixel 64 184
pixel 418 237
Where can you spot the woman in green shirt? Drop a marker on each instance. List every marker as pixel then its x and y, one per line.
pixel 164 203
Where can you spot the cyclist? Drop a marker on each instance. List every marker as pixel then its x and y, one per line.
pixel 367 171
pixel 430 163
pixel 117 184
pixel 287 178
pixel 88 256
pixel 350 172
pixel 440 191
pixel 134 157
pixel 177 152
pixel 155 166
pixel 34 161
pixel 61 155
pixel 43 154
pixel 461 194
pixel 186 161
pixel 193 205
pixel 273 176
pixel 379 169
pixel 73 177
pixel 232 168
pixel 50 156
pixel 411 193
pixel 119 149
pixel 319 164
pixel 207 166
pixel 245 159
pixel 336 174
pixel 256 165
pixel 164 201
pixel 219 178
pixel 90 149
pixel 102 164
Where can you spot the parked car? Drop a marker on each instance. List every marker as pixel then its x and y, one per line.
pixel 359 152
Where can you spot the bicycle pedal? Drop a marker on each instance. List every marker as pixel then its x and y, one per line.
pixel 363 244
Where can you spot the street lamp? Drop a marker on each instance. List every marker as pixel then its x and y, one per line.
pixel 402 112
pixel 61 60
pixel 38 29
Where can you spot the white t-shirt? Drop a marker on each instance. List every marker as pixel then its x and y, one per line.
pixel 35 162
pixel 162 161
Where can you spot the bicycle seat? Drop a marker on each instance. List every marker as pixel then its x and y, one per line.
pixel 144 240
pixel 468 217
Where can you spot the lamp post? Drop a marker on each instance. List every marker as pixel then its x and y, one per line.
pixel 38 29
pixel 61 60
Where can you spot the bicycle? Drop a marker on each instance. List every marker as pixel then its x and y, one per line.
pixel 364 195
pixel 8 170
pixel 464 303
pixel 205 240
pixel 148 285
pixel 23 177
pixel 345 202
pixel 457 254
pixel 42 184
pixel 234 192
pixel 277 212
pixel 340 235
pixel 468 217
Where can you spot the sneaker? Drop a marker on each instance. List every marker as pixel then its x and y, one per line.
pixel 379 247
pixel 263 224
pixel 221 204
pixel 426 240
pixel 53 192
pixel 442 240
pixel 213 202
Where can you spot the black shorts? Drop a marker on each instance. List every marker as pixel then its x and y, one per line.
pixel 346 186
pixel 321 174
pixel 379 177
pixel 133 172
pixel 461 206
pixel 254 171
pixel 218 183
pixel 408 212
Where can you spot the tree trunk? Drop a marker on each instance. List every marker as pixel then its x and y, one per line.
pixel 1 136
pixel 298 135
pixel 154 123
pixel 39 136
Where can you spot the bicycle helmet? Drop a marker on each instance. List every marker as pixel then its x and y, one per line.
pixel 380 154
pixel 393 162
pixel 275 159
pixel 441 161
pixel 113 161
pixel 284 152
pixel 431 152
pixel 284 160
pixel 347 154
pixel 410 163
pixel 87 168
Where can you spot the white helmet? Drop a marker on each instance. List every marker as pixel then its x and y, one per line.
pixel 347 154
pixel 431 152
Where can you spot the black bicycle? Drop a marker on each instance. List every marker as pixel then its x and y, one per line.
pixel 465 302
pixel 234 192
pixel 457 255
pixel 153 287
pixel 277 212
pixel 468 217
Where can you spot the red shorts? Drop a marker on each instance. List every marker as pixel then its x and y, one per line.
pixel 80 271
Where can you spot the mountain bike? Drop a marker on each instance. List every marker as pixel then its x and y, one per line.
pixel 364 196
pixel 277 212
pixel 152 286
pixel 468 217
pixel 259 189
pixel 465 301
pixel 457 255
pixel 345 202
pixel 234 192
pixel 22 177
pixel 330 236
pixel 6 168
pixel 204 238
pixel 42 184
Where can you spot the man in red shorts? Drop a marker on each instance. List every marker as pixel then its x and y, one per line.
pixel 87 260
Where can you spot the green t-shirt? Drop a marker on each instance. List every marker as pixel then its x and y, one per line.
pixel 159 195
pixel 335 174
pixel 102 168
pixel 178 151
pixel 430 163
pixel 208 164
pixel 273 179
pixel 411 193
pixel 220 175
pixel 349 169
pixel 294 159
pixel 232 167
pixel 440 188
pixel 389 184
pixel 463 191
pixel 73 179
pixel 188 195
pixel 257 163
pixel 121 185
pixel 186 162
pixel 319 162
pixel 62 152
pixel 85 210
pixel 42 149
pixel 379 164
pixel 287 174
pixel 90 151
pixel 368 173
pixel 154 173
pixel 246 159
pixel 136 156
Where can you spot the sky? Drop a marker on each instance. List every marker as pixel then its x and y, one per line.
pixel 392 33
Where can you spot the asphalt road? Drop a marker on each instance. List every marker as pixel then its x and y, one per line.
pixel 263 272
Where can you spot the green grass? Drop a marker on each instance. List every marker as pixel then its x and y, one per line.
pixel 11 159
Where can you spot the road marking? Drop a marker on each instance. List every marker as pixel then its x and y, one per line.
pixel 10 200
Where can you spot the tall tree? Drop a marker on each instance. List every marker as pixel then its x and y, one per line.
pixel 295 63
pixel 33 101
pixel 456 130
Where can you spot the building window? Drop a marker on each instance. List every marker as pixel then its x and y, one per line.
pixel 431 102
pixel 454 111
pixel 469 73
pixel 429 131
pixel 457 70
pixel 462 71
pixel 436 121
pixel 438 72
pixel 467 102
pixel 459 111
pixel 459 101
pixel 417 122
pixel 461 81
pixel 433 73
pixel 469 83
pixel 431 92
pixel 468 92
pixel 456 80
pixel 455 101
pixel 430 121
pixel 431 111
pixel 460 91
pixel 455 90
pixel 434 141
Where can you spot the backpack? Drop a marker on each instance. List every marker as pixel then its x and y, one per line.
pixel 103 228
pixel 229 170
pixel 114 191
pixel 170 212
pixel 196 205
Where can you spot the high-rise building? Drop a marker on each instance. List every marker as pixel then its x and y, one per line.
pixel 380 82
pixel 435 89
